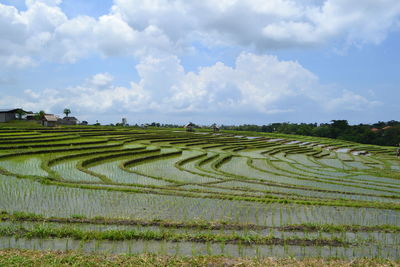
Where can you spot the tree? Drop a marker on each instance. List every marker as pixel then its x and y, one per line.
pixel 340 124
pixel 41 114
pixel 67 111
pixel 214 127
pixel 20 112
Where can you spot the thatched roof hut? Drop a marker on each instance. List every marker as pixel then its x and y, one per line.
pixel 189 127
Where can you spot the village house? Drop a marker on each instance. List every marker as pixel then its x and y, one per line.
pixel 10 114
pixel 68 121
pixel 49 120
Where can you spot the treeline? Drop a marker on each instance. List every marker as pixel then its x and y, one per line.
pixel 381 133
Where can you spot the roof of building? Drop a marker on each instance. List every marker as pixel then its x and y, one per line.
pixel 189 125
pixel 49 117
pixel 70 118
pixel 11 110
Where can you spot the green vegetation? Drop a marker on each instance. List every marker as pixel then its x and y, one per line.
pixel 67 111
pixel 208 225
pixel 47 231
pixel 174 192
pixel 381 133
pixel 21 258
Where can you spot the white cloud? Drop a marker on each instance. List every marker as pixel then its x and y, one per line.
pixel 255 86
pixel 101 79
pixel 159 75
pixel 44 33
pixel 40 17
pixel 137 27
pixel 256 83
pixel 26 35
pixel 351 102
pixel 261 85
pixel 47 2
pixel 114 36
pixel 96 95
pixel 265 24
pixel 17 61
pixel 72 40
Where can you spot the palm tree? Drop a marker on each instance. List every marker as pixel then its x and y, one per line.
pixel 67 111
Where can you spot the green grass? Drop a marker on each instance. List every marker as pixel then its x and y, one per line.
pixel 25 258
pixel 50 231
pixel 199 224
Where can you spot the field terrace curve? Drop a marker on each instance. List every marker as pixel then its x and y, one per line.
pixel 127 190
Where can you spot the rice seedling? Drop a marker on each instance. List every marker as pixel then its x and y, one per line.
pixel 181 193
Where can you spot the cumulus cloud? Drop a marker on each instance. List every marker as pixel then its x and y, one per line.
pixel 95 95
pixel 44 33
pixel 351 102
pixel 259 85
pixel 17 61
pixel 25 35
pixel 265 24
pixel 133 27
pixel 47 2
pixel 101 79
pixel 255 85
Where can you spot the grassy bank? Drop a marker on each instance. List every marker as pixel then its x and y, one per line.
pixel 21 258
pixel 208 225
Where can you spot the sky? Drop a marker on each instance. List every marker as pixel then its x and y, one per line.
pixel 227 61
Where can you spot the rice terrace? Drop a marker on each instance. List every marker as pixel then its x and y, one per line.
pixel 170 192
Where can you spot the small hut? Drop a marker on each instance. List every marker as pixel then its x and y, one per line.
pixel 189 127
pixel 214 127
pixel 49 120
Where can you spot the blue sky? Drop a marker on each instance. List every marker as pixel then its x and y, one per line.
pixel 229 62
